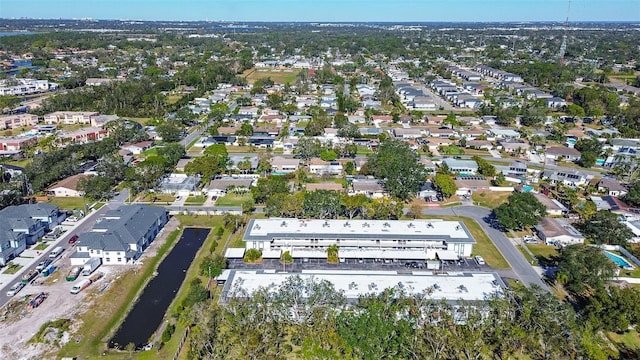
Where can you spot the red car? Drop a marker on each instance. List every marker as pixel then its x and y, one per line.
pixel 73 239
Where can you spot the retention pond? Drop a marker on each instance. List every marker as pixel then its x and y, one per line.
pixel 147 313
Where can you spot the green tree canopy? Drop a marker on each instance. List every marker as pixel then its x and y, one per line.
pixel 604 227
pixel 444 183
pixel 398 167
pixel 520 211
pixel 583 269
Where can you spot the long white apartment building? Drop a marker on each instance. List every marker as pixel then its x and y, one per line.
pixel 360 239
pixel 451 287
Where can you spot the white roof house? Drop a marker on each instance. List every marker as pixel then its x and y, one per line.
pixel 359 239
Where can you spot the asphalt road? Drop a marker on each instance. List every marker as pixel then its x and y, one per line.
pixel 85 225
pixel 521 268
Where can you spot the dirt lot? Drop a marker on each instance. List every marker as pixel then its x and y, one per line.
pixel 19 324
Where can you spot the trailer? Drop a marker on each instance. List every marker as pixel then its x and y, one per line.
pixel 26 278
pixel 91 265
pixel 73 273
pixel 95 277
pixel 36 300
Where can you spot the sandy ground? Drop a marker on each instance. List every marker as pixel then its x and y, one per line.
pixel 18 324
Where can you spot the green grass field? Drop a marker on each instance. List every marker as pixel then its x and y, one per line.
pixel 546 255
pixel 69 203
pixel 196 200
pixel 232 199
pixel 484 246
pixel 490 199
pixel 278 76
pixel 12 269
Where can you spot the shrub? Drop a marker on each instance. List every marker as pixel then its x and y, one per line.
pixel 252 255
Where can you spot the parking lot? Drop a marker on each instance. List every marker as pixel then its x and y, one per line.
pixel 356 264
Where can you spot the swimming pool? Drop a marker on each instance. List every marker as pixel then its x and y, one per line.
pixel 619 260
pixel 527 188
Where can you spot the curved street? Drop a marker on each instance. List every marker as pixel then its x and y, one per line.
pixel 521 268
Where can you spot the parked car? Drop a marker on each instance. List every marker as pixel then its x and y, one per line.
pixel 479 260
pixel 72 218
pixel 15 288
pixel 43 264
pixel 73 239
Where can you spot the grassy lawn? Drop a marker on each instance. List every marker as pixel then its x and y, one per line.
pixel 12 268
pixel 546 255
pixel 150 152
pixel 490 199
pixel 163 198
pixel 627 341
pixel 21 163
pixel 363 150
pixel 142 121
pixel 68 203
pixel 526 254
pixel 196 200
pixel 451 150
pixel 41 246
pixel 278 76
pixel 232 199
pixel 236 240
pixel 111 308
pixel 172 99
pixel 484 246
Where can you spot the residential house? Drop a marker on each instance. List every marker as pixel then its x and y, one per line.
pixel 329 186
pixel 121 235
pixel 562 153
pixel 472 134
pixel 479 144
pixel 281 165
pixel 320 167
pixel 461 166
pixel 514 146
pixel 369 187
pixel 467 184
pixel 571 178
pixel 179 184
pixel 67 187
pixel 498 134
pixel 220 187
pixel 552 206
pixel 555 102
pixel 612 187
pixel 442 133
pixel 558 232
pixel 139 147
pixel 407 133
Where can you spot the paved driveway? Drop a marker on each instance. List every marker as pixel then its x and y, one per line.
pixel 521 268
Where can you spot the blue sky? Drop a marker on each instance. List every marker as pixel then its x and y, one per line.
pixel 326 10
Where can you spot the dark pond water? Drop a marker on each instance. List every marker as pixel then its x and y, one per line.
pixel 147 313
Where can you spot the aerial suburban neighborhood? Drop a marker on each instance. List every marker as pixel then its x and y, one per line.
pixel 219 190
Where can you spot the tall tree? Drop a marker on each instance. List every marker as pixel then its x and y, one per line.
pixel 604 227
pixel 520 211
pixel 398 168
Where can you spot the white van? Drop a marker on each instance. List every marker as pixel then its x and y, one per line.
pixel 15 288
pixel 56 252
pixel 80 286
